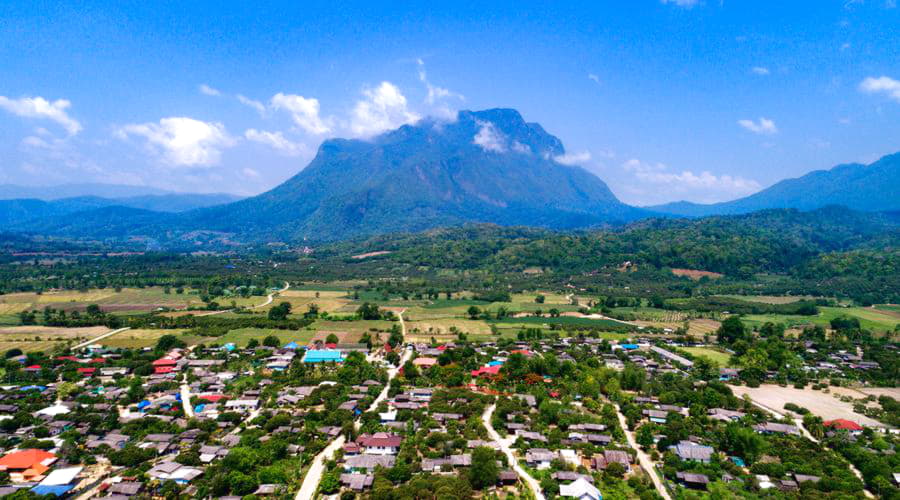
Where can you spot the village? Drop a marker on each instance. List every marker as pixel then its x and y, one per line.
pixel 566 416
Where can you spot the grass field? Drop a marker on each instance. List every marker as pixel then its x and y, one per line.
pixel 136 339
pixel 870 318
pixel 768 299
pixel 720 357
pixel 39 338
pixel 442 326
pixel 128 299
pixel 242 336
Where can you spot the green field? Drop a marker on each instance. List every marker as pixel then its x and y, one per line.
pixel 532 321
pixel 720 357
pixel 874 319
pixel 242 336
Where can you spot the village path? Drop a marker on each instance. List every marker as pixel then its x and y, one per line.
pixel 107 334
pixel 268 301
pixel 531 482
pixel 317 468
pixel 643 458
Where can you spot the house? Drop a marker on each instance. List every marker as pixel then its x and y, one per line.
pixel 841 424
pixel 357 482
pixel 776 428
pixel 724 415
pixel 323 356
pixel 125 488
pixel 173 471
pixel 27 465
pixel 242 405
pixel 726 374
pixel 539 458
pixel 580 489
pixel 368 463
pixel 425 362
pixel 689 451
pixel 486 371
pixel 380 443
pixel 656 416
pixel 693 481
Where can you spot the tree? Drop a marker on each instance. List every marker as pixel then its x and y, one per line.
pixel 410 371
pixel 539 299
pixel 331 339
pixel 271 341
pixel 168 342
pixel 615 470
pixel 484 471
pixel 65 389
pixel 330 483
pixel 473 312
pixel 280 312
pixel 731 330
pixel 253 344
pixel 369 311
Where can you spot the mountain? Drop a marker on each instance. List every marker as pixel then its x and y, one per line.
pixel 873 187
pixel 486 166
pixel 14 212
pixel 47 193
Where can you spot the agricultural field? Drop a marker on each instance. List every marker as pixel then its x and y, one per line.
pixel 45 338
pixel 720 357
pixel 770 299
pixel 140 338
pixel 872 318
pixel 822 404
pixel 126 300
pixel 443 327
pixel 328 301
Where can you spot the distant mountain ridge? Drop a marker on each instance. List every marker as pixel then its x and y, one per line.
pixel 486 166
pixel 871 188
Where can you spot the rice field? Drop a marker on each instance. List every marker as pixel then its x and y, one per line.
pixel 39 338
pixel 242 336
pixel 877 320
pixel 140 338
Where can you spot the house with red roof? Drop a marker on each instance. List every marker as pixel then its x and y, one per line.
pixel 486 370
pixel 87 372
pixel 32 368
pixel 841 424
pixel 380 443
pixel 27 465
pixel 164 365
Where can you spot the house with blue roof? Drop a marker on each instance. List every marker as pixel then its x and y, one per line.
pixel 323 356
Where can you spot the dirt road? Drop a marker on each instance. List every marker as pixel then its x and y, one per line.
pixel 643 458
pixel 107 334
pixel 532 483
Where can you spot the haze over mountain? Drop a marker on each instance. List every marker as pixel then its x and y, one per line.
pixel 874 187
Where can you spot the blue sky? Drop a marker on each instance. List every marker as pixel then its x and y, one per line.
pixel 704 100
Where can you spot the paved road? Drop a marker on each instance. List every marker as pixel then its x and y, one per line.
pixel 186 400
pixel 317 469
pixel 532 483
pixel 107 334
pixel 643 458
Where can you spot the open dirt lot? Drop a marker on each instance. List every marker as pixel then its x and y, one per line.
pixel 822 404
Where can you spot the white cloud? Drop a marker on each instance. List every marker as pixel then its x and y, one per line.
pixel 573 158
pixel 881 85
pixel 207 90
pixel 489 138
pixel 435 93
pixel 304 111
pixel 276 141
pixel 182 141
pixel 249 172
pixel 246 101
pixel 38 107
pixel 760 70
pixel 764 126
pixel 682 3
pixel 655 183
pixel 383 108
pixel 594 78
